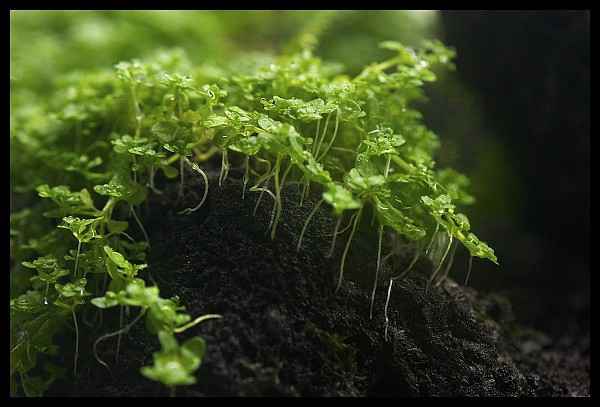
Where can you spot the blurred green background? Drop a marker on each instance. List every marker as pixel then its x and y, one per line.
pixel 508 84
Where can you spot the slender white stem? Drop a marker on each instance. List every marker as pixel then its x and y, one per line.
pixel 315 141
pixel 77 258
pixel 312 213
pixel 439 266
pixel 448 265
pixel 354 225
pixel 278 188
pixel 380 235
pixel 152 186
pixel 469 270
pixel 376 271
pixel 272 195
pixel 305 189
pixel 196 322
pixel 224 168
pixel 128 237
pixel 335 234
pixel 196 168
pixel 335 131
pixel 387 165
pixel 110 335
pixel 437 226
pixel 385 309
pixel 387 256
pixel 318 148
pixel 285 174
pixel 255 188
pixel 246 175
pixel 409 268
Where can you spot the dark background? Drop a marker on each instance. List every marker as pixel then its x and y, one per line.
pixel 531 74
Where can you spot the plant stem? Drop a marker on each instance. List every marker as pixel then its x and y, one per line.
pixel 110 335
pixel 312 213
pixel 272 195
pixel 385 310
pixel 76 343
pixel 152 186
pixel 335 131
pixel 312 150
pixel 255 188
pixel 77 258
pixel 469 270
pixel 409 268
pixel 354 225
pixel 278 190
pixel 205 156
pixel 224 168
pixel 387 165
pixel 285 174
pixel 380 234
pixel 246 175
pixel 278 195
pixel 439 266
pixel 318 147
pixel 196 322
pixel 448 265
pixel 119 336
pixel 403 164
pixel 437 226
pixel 171 159
pixel 335 233
pixel 134 170
pixel 196 168
pixel 341 232
pixel 305 188
pixel 139 224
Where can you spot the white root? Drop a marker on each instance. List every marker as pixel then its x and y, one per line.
pixel 196 168
pixel 312 213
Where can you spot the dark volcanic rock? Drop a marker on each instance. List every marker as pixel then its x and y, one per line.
pixel 285 333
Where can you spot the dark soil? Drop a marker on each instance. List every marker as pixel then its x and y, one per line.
pixel 285 333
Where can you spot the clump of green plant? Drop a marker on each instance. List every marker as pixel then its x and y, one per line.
pixel 291 119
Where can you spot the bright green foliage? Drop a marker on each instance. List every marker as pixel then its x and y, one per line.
pixel 163 314
pixel 84 230
pixel 340 198
pixel 293 118
pixel 175 364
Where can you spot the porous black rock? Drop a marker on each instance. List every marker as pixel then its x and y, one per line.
pixel 285 333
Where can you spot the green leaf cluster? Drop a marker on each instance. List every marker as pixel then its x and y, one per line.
pixel 293 118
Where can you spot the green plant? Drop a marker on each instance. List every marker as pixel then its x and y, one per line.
pixel 289 119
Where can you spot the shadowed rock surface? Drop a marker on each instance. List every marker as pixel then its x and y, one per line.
pixel 284 332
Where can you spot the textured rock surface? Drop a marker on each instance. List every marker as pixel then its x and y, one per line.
pixel 284 332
